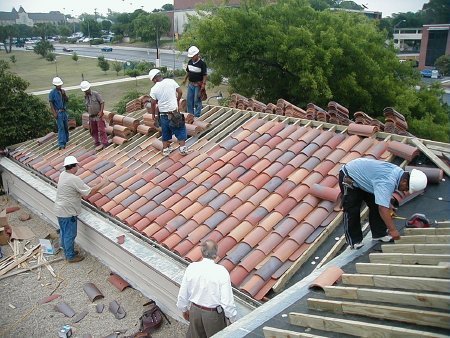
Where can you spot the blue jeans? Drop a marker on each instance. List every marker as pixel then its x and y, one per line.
pixel 194 103
pixel 63 129
pixel 167 131
pixel 68 232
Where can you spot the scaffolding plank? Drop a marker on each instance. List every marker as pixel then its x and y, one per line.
pixel 440 249
pixel 414 316
pixel 402 258
pixel 424 239
pixel 427 231
pixel 353 327
pixel 272 332
pixel 387 296
pixel 404 270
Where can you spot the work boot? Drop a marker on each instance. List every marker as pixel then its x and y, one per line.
pixel 77 258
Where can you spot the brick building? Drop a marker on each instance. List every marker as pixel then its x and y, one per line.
pixel 435 43
pixel 30 19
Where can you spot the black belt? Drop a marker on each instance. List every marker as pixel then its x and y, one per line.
pixel 211 309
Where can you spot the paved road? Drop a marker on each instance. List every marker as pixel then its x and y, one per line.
pixel 169 58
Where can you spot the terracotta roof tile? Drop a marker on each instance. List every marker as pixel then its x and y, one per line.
pixel 177 185
pixel 211 181
pixel 300 211
pixel 285 226
pixel 156 232
pixel 231 205
pixel 301 232
pixel 207 197
pixel 285 250
pixel 248 176
pixel 117 209
pixel 183 191
pixel 314 235
pixel 225 245
pixel 285 206
pixel 233 189
pixel 203 215
pixel 171 241
pixel 272 201
pixel 274 183
pixel 285 188
pixel 253 285
pixel 108 206
pixel 255 236
pixel 190 211
pixel 162 196
pixel 311 200
pixel 236 173
pixel 258 197
pixel 274 141
pixel 239 232
pixel 241 146
pixel 238 274
pixel 141 225
pixel 256 215
pixel 377 149
pixel 215 219
pixel 311 163
pixel 219 201
pixel 285 144
pixel 155 213
pixel 198 234
pixel 273 168
pixel 238 159
pixel 238 252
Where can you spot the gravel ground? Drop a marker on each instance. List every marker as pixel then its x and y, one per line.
pixel 21 315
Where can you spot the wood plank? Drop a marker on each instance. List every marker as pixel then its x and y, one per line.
pixel 387 296
pixel 355 328
pixel 432 156
pixel 402 258
pixel 398 282
pixel 439 249
pixel 308 253
pixel 414 316
pixel 272 332
pixel 404 270
pixel 427 231
pixel 424 239
pixel 20 260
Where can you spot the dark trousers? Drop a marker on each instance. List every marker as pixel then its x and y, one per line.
pixel 351 204
pixel 204 324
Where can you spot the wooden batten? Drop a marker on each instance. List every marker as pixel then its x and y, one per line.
pixel 402 258
pixel 438 249
pixel 404 270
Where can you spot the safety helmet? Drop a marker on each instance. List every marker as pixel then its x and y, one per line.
pixel 85 85
pixel 57 81
pixel 153 73
pixel 69 160
pixel 192 51
pixel 417 181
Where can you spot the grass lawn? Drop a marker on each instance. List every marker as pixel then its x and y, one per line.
pixel 39 72
pixel 112 93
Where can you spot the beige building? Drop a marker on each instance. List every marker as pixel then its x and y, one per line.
pixel 30 19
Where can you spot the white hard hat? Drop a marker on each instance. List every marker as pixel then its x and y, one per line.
pixel 70 160
pixel 85 85
pixel 192 51
pixel 57 81
pixel 417 181
pixel 153 73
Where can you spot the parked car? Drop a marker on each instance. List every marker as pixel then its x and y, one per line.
pixel 29 47
pixel 67 50
pixel 106 49
pixel 429 73
pixel 20 44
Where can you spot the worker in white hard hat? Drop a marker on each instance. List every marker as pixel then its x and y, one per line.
pixel 58 101
pixel 373 182
pixel 196 72
pixel 95 106
pixel 165 98
pixel 68 205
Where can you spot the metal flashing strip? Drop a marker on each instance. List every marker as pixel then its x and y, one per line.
pixel 146 268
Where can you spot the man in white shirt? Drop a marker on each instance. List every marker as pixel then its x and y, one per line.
pixel 206 297
pixel 68 206
pixel 165 96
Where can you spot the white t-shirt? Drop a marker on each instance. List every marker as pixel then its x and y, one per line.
pixel 165 93
pixel 68 195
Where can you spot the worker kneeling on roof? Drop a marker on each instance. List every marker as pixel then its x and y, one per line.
pixel 374 182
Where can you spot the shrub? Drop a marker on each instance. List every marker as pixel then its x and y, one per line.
pixel 75 56
pixel 132 72
pixel 117 66
pixel 97 42
pixel 144 67
pixel 121 105
pixel 13 58
pixel 443 64
pixel 103 63
pixel 50 57
pixel 76 107
pixel 42 48
pixel 117 38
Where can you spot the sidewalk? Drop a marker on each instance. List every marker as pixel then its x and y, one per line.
pixel 152 50
pixel 94 84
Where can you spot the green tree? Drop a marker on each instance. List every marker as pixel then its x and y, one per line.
pixel 106 25
pixel 7 33
pixel 75 57
pixel 117 66
pixel 43 47
pixel 13 58
pixel 50 57
pixel 22 116
pixel 44 29
pixel 288 50
pixel 103 63
pixel 436 11
pixel 64 30
pixel 167 7
pixel 91 28
pixel 442 64
pixel 150 27
pixel 76 107
pixel 122 24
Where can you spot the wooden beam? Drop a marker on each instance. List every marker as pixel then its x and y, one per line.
pixel 427 231
pixel 20 260
pixel 355 328
pixel 272 332
pixel 432 156
pixel 424 239
pixel 438 249
pixel 387 296
pixel 404 270
pixel 414 316
pixel 31 267
pixel 402 258
pixel 307 254
pixel 398 282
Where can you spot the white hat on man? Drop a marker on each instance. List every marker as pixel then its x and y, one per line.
pixel 192 51
pixel 85 85
pixel 57 81
pixel 69 160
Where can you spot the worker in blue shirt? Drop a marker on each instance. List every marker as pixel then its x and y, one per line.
pixel 374 182
pixel 58 101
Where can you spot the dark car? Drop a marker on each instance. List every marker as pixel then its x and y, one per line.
pixel 106 49
pixel 67 50
pixel 20 44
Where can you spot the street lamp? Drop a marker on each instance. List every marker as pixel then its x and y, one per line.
pixel 398 23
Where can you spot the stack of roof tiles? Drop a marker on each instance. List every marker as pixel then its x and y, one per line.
pixel 395 122
pixel 336 113
pixel 265 192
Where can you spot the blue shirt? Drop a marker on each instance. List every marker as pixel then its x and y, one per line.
pixel 56 98
pixel 377 177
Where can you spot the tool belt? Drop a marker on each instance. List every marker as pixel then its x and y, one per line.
pixel 176 119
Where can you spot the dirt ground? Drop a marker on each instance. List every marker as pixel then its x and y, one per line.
pixel 21 314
